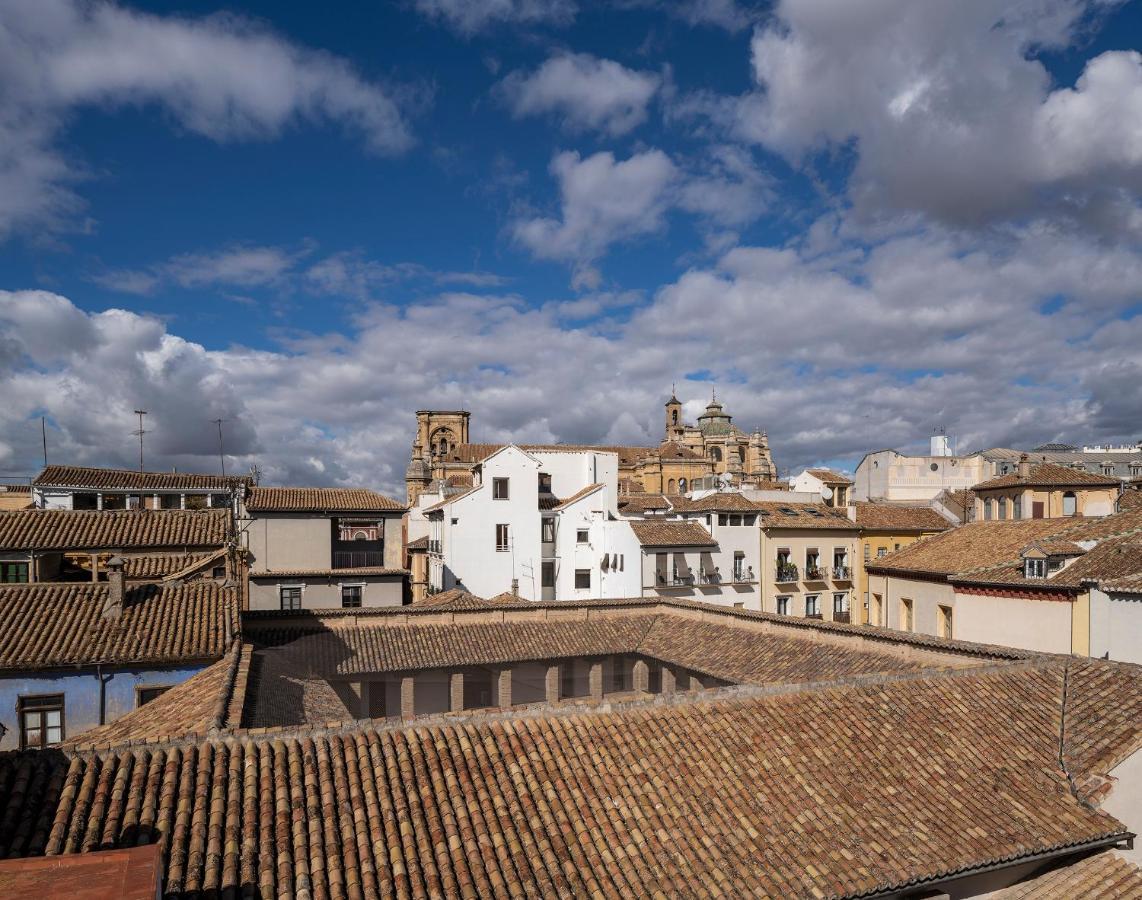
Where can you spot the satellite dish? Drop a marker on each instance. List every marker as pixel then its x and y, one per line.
pixel 827 492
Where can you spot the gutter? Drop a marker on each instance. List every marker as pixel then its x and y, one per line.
pixel 1114 841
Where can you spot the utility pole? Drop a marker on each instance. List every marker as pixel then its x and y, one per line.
pixel 140 413
pixel 221 456
pixel 44 436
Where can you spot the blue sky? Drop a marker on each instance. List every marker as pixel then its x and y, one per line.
pixel 860 221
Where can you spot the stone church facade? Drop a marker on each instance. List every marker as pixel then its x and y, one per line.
pixel 687 456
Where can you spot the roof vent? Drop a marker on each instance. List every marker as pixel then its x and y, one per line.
pixel 113 605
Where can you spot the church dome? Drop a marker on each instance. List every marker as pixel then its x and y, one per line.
pixel 715 420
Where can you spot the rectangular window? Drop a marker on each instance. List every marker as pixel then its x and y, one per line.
pixel 812 606
pixel 895 546
pixel 783 606
pixel 547 575
pixel 723 519
pixel 499 489
pixel 218 572
pixel 350 596
pixel 548 531
pixel 581 536
pixel 750 520
pixel 906 622
pixel 290 596
pixel 840 603
pixel 582 579
pixel 41 720
pixel 144 695
pixel 14 573
pixel 867 552
pixel 735 520
pixel 739 565
pixel 881 551
pixel 501 538
pixel 1035 568
pixel 945 614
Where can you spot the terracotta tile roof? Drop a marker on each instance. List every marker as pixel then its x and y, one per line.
pixel 634 504
pixel 672 450
pixel 421 543
pixel 1097 877
pixel 458 598
pixel 459 479
pixel 1110 559
pixel 16 489
pixel 750 796
pixel 89 478
pixel 969 546
pixel 157 567
pixel 577 496
pixel 64 529
pixel 202 703
pixel 1056 547
pixel 723 501
pixel 451 498
pixel 1104 720
pixel 62 624
pixel 358 572
pixel 778 514
pixel 300 499
pixel 474 453
pixel 1127 584
pixel 889 517
pixel 652 533
pixel 828 476
pixel 1049 475
pixel 1131 499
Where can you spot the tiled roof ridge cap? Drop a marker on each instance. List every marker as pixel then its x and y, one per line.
pixel 222 704
pixel 729 694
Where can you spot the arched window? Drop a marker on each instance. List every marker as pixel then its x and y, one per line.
pixel 1069 503
pixel 671 486
pixel 987 508
pixel 1002 508
pixel 741 453
pixel 1017 507
pixel 681 485
pixel 716 454
pixel 673 417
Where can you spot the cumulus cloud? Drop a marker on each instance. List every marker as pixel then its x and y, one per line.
pixel 944 106
pixel 1008 341
pixel 584 92
pixel 470 16
pixel 222 77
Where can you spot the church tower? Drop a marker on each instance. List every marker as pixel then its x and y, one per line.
pixel 438 431
pixel 673 417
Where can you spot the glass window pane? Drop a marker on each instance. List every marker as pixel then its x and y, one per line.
pixel 53 718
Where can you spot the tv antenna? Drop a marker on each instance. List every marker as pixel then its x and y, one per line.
pixel 140 432
pixel 221 455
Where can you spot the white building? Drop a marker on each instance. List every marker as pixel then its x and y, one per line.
pixel 833 488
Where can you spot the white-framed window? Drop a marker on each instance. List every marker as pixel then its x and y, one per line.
pixel 502 539
pixel 499 489
pixel 582 579
pixel 881 551
pixel 812 605
pixel 783 606
pixel 351 596
pixel 1069 504
pixel 840 603
pixel 290 596
pixel 1035 568
pixel 581 536
pixel 548 530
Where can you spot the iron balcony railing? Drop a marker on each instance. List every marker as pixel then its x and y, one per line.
pixel 842 573
pixel 357 559
pixel 841 617
pixel 786 572
pixel 815 573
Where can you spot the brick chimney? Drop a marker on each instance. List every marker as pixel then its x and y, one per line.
pixel 113 605
pixel 1024 466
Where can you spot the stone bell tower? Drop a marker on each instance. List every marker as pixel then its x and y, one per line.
pixel 673 417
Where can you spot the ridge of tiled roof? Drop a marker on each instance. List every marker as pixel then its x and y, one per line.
pixel 357 571
pixel 779 514
pixel 722 501
pixel 828 476
pixel 873 515
pixel 420 543
pixel 158 567
pixel 57 624
pixel 452 498
pixel 417 803
pixel 1111 558
pixel 577 496
pixel 458 598
pixel 631 504
pixel 94 478
pixel 65 529
pixel 1049 475
pixel 325 499
pixel 671 533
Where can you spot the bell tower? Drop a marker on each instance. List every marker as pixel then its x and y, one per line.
pixel 673 416
pixel 438 431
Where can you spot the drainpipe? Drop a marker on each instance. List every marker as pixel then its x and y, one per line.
pixel 103 680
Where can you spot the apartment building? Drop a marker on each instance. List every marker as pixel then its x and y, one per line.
pixel 320 548
pixel 833 488
pixel 1045 491
pixel 85 487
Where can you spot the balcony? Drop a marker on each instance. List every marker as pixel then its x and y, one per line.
pixel 815 573
pixel 842 617
pixel 358 559
pixel 434 547
pixel 786 572
pixel 842 573
pixel 813 616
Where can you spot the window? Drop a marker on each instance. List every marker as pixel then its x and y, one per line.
pixel 1002 508
pixel 13 573
pixel 547 575
pixel 350 596
pixel 1108 470
pixel 840 604
pixel 548 531
pixel 1017 507
pixel 1069 503
pixel 41 720
pixel 290 596
pixel 812 606
pixel 735 520
pixel 1035 568
pixel 681 485
pixel 582 579
pixel 867 552
pixel 501 538
pixel 987 509
pixel 783 606
pixel 739 565
pixel 499 489
pixel 750 520
pixel 144 695
pixel 723 519
pixel 895 547
pixel 944 614
pixel 581 536
pixel 881 551
pixel 905 615
pixel 218 572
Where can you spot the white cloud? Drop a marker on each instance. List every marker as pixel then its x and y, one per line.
pixel 832 354
pixel 470 16
pixel 221 77
pixel 945 107
pixel 585 92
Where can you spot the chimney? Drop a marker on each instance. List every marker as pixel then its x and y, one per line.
pixel 113 606
pixel 1024 466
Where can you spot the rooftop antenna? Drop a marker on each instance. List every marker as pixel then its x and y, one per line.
pixel 141 431
pixel 44 437
pixel 221 455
